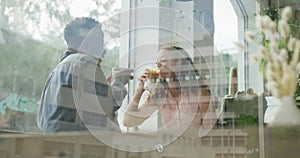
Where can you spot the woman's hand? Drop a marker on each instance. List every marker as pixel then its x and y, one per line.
pixel 140 89
pixel 142 79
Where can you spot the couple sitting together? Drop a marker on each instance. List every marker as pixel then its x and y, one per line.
pixel 77 86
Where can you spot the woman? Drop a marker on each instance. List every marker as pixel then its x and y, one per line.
pixel 179 96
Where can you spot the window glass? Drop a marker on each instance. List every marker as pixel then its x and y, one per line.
pixel 148 78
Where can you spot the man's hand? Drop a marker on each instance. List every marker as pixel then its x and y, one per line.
pixel 121 74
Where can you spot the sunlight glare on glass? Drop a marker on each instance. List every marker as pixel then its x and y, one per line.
pixel 80 8
pixel 225 20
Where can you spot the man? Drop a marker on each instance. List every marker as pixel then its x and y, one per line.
pixel 76 94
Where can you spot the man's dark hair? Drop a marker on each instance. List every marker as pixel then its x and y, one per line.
pixel 77 29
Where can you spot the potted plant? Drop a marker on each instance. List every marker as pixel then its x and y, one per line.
pixel 278 56
pixel 274 14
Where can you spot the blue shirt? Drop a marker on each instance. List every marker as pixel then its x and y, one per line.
pixel 77 94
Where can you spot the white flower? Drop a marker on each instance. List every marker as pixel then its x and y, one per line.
pixel 291 44
pixel 273 46
pixel 284 29
pixel 298 67
pixel 280 51
pixel 258 22
pixel 287 13
pixel 284 54
pixel 263 52
pixel 255 58
pixel 239 46
pixel 296 54
pixel 273 87
pixel 250 36
pixel 265 21
pixel 272 26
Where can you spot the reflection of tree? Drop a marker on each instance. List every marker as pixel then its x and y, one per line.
pixel 33 17
pixel 24 62
pixel 111 60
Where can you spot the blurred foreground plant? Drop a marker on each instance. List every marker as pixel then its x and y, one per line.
pixel 281 55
